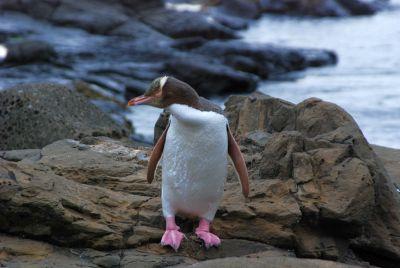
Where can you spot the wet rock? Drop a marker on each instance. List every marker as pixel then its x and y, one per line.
pixel 230 21
pixel 91 16
pixel 135 29
pixel 185 24
pixel 209 77
pixel 40 9
pixel 362 7
pixel 29 51
pixel 331 8
pixel 238 8
pixel 265 60
pixel 189 42
pixel 120 46
pixel 311 8
pixel 34 115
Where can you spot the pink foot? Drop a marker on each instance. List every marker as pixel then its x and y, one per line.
pixel 203 232
pixel 172 237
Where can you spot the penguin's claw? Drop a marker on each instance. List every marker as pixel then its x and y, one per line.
pixel 210 240
pixel 172 238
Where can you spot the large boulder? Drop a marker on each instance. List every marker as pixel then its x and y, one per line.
pixel 341 187
pixel 34 115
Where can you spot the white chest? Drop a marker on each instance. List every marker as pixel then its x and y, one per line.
pixel 195 162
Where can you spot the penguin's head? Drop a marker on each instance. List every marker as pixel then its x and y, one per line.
pixel 165 91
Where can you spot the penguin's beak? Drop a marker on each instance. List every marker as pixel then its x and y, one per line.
pixel 140 100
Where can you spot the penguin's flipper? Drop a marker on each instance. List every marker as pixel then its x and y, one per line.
pixel 156 155
pixel 238 160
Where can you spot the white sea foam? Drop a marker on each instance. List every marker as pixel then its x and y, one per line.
pixel 3 52
pixel 184 7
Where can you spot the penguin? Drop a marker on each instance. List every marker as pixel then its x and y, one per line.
pixel 195 146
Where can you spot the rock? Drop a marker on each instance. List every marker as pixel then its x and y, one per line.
pixel 391 160
pixel 265 60
pixel 92 16
pixel 63 211
pixel 29 51
pixel 185 24
pixel 238 8
pixel 273 262
pixel 108 261
pixel 18 252
pixel 209 77
pixel 18 155
pixel 319 148
pixel 362 7
pixel 144 234
pixel 259 112
pixel 316 188
pixel 323 8
pixel 230 21
pixel 34 115
pixel 101 162
pixel 120 46
pixel 41 9
pixel 331 8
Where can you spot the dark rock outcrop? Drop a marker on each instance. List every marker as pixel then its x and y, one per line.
pixel 34 115
pixel 120 46
pixel 29 51
pixel 321 8
pixel 209 77
pixel 265 60
pixel 185 24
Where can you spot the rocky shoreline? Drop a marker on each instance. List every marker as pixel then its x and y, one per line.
pixel 118 47
pixel 111 50
pixel 73 189
pixel 137 44
pixel 318 190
